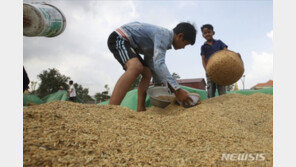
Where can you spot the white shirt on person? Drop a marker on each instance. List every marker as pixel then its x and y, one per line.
pixel 73 93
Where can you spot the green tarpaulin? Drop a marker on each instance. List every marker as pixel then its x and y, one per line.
pixel 60 95
pixel 130 100
pixel 29 98
pixel 249 92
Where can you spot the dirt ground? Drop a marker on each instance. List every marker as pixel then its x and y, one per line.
pixel 71 134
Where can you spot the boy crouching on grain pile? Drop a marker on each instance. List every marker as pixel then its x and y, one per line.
pixel 132 39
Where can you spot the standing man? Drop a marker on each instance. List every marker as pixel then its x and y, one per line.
pixel 72 92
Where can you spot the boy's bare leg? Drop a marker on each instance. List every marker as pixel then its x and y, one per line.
pixel 143 85
pixel 134 69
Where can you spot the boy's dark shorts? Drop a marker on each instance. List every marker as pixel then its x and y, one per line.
pixel 122 49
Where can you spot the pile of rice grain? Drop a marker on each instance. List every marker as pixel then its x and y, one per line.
pixel 72 134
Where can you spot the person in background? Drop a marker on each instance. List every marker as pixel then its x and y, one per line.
pixel 72 92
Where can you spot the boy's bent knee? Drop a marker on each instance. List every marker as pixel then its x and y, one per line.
pixel 138 68
pixel 135 65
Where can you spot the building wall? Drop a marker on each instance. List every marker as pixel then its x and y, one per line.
pixel 195 85
pixel 259 87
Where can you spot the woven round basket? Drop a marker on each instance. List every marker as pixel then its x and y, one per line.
pixel 225 67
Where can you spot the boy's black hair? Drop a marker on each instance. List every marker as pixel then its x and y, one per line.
pixel 188 30
pixel 71 82
pixel 208 26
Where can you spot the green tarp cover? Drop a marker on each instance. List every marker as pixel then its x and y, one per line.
pixel 130 100
pixel 249 92
pixel 30 98
pixel 60 95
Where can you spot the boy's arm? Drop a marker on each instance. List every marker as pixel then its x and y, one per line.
pixel 223 45
pixel 160 46
pixel 204 61
pixel 161 42
pixel 157 80
pixel 203 56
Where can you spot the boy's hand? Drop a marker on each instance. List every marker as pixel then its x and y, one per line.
pixel 239 55
pixel 183 96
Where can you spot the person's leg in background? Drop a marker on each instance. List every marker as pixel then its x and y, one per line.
pixel 221 90
pixel 211 88
pixel 72 99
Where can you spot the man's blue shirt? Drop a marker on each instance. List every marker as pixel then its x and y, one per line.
pixel 153 42
pixel 209 50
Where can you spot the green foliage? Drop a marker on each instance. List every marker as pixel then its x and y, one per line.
pixel 82 93
pixel 103 96
pixel 176 76
pixel 51 80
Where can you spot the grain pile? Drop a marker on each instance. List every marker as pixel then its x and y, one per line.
pixel 70 134
pixel 225 67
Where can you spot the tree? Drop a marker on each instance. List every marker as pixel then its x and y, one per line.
pixel 107 87
pixel 33 87
pixel 51 80
pixel 82 93
pixel 103 96
pixel 175 76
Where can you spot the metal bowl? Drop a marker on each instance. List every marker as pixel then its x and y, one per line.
pixel 155 92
